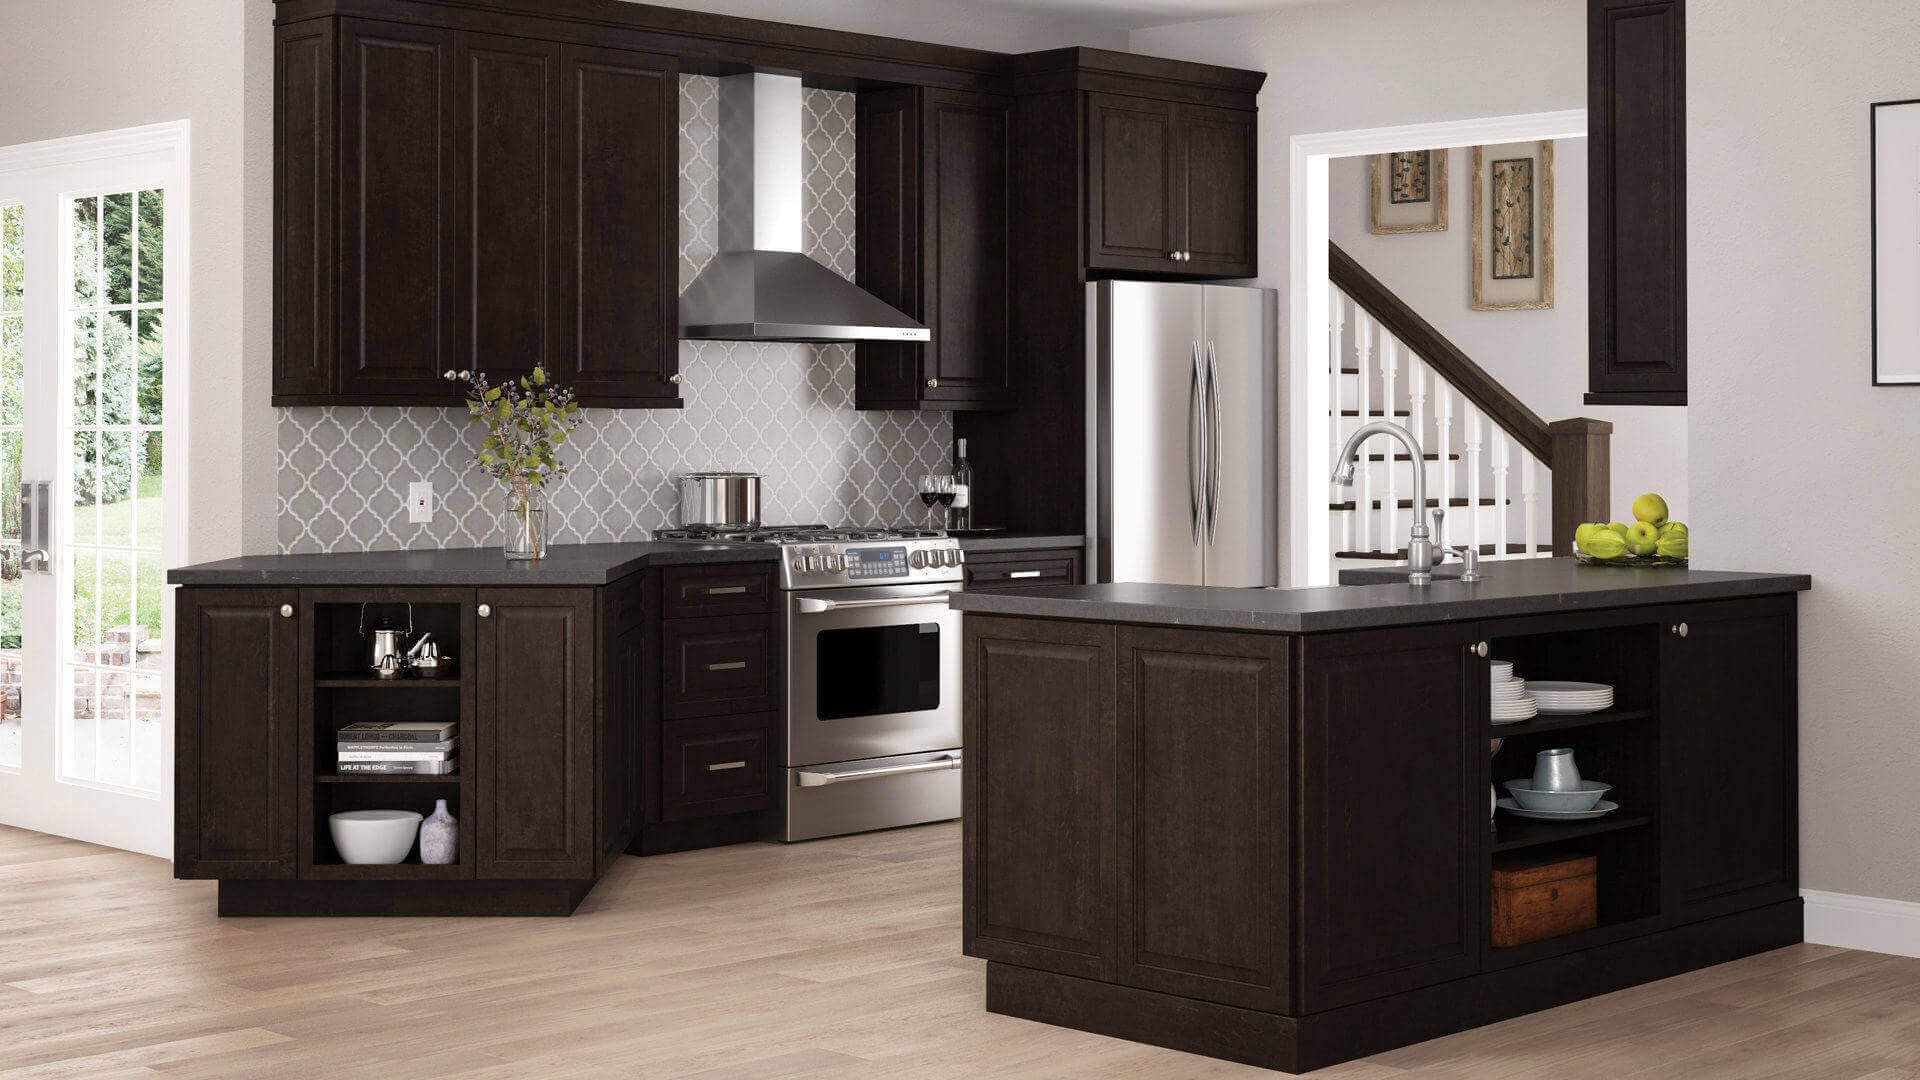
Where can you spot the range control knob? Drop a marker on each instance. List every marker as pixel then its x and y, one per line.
pixel 950 557
pixel 799 565
pixel 836 563
pixel 917 560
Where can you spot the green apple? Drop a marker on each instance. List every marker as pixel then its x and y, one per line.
pixel 1606 545
pixel 1650 508
pixel 1642 538
pixel 1619 529
pixel 1673 547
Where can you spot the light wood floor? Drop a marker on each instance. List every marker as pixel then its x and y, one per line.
pixel 838 958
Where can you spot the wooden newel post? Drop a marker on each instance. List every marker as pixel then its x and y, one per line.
pixel 1582 476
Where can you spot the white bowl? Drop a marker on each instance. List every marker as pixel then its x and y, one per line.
pixel 374 837
pixel 1584 798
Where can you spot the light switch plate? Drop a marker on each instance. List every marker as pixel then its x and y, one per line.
pixel 420 502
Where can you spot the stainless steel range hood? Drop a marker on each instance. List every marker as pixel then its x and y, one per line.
pixel 760 287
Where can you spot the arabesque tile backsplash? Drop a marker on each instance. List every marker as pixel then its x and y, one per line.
pixel 785 411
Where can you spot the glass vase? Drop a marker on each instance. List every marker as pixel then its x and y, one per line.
pixel 526 525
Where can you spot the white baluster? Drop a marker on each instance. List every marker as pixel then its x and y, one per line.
pixel 1529 488
pixel 1417 376
pixel 1336 352
pixel 1502 512
pixel 1389 368
pixel 1473 441
pixel 1443 420
pixel 1363 354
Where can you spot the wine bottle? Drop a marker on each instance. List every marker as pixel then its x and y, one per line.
pixel 962 515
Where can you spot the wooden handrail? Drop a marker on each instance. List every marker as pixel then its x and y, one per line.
pixel 1443 356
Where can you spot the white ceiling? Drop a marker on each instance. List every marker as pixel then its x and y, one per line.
pixel 1138 14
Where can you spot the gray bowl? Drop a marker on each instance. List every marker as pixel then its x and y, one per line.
pixel 1583 798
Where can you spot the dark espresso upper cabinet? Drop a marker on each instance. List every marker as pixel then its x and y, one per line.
pixel 502 202
pixel 1170 187
pixel 935 176
pixel 1636 108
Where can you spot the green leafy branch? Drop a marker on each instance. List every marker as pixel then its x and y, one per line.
pixel 527 419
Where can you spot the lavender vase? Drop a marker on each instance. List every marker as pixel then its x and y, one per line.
pixel 439 836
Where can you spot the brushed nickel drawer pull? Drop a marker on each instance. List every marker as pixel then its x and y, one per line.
pixel 1024 573
pixel 723 766
pixel 730 665
pixel 727 590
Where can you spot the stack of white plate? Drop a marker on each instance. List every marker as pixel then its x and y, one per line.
pixel 1512 702
pixel 1571 698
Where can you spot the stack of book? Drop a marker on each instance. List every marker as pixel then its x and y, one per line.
pixel 398 748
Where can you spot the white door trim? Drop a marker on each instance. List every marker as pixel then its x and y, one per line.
pixel 1310 455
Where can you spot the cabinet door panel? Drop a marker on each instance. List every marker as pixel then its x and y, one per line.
pixel 507 211
pixel 1040 898
pixel 621 680
pixel 1394 814
pixel 1204 816
pixel 534 705
pixel 1728 722
pixel 1218 154
pixel 967 158
pixel 237 734
pixel 1132 184
pixel 887 228
pixel 396 201
pixel 303 178
pixel 620 193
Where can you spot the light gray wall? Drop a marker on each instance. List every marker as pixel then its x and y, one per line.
pixel 75 68
pixel 1798 463
pixel 1539 355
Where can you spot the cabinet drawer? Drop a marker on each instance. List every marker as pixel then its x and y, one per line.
pixel 715 666
pixel 693 591
pixel 1019 569
pixel 717 765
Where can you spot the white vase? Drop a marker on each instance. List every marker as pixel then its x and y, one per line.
pixel 439 837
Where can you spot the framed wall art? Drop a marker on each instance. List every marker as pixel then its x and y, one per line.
pixel 1409 191
pixel 1513 226
pixel 1896 243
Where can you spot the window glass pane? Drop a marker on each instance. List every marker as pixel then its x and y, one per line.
pixel 116 224
pixel 150 510
pixel 86 605
pixel 86 366
pixel 151 352
pixel 117 481
pixel 78 756
pixel 117 387
pixel 153 223
pixel 113 713
pixel 12 368
pixel 149 749
pixel 11 589
pixel 86 251
pixel 13 257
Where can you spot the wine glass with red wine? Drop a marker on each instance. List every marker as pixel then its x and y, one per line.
pixel 937 489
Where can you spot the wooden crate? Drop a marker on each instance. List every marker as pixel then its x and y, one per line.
pixel 1543 896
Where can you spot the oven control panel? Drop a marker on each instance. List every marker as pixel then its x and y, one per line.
pixel 879 562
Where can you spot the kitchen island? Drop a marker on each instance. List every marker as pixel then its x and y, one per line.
pixel 608 698
pixel 1255 824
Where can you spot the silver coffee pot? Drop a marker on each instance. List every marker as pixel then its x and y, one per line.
pixel 389 643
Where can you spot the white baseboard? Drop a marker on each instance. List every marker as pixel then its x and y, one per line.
pixel 1862 922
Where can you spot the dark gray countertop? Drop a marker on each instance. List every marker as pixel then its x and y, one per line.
pixel 565 564
pixel 1520 587
pixel 1020 541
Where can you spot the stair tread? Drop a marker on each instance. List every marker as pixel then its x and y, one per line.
pixel 1409 457
pixel 1401 555
pixel 1374 412
pixel 1407 504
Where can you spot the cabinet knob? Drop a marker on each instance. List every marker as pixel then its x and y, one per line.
pixel 485 611
pixel 286 611
pixel 1479 648
pixel 675 378
pixel 1679 629
pixel 933 384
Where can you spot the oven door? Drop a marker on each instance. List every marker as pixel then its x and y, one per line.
pixel 872 672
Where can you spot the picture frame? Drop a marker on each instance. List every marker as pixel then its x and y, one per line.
pixel 1513 226
pixel 1894 209
pixel 1408 192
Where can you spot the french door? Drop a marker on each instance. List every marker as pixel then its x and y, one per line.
pixel 92 245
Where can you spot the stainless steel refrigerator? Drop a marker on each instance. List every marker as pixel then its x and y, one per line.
pixel 1181 433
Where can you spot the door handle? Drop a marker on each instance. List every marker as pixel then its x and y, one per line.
pixel 1213 444
pixel 1196 441
pixel 34 519
pixel 812 778
pixel 810 605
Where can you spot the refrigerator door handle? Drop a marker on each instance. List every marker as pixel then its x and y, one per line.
pixel 1196 427
pixel 1212 428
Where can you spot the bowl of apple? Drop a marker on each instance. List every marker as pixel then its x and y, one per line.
pixel 1653 539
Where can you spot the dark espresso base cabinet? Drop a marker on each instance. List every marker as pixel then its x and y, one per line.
pixel 1277 847
pixel 564 761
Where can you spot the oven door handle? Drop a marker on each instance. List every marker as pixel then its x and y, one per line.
pixel 810 605
pixel 811 778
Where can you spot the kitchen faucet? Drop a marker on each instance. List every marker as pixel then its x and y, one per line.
pixel 1419 542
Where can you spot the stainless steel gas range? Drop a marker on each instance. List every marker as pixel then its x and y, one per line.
pixel 873 675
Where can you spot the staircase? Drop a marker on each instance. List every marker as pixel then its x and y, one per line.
pixel 1514 485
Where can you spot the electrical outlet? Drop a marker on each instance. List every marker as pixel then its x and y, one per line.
pixel 420 502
